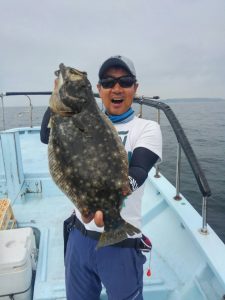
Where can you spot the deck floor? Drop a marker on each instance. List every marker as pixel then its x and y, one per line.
pixel 47 215
pixel 179 269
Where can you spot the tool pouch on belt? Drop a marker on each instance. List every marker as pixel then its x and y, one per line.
pixel 145 244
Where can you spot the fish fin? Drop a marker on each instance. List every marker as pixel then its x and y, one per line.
pixel 78 123
pixel 117 235
pixel 50 123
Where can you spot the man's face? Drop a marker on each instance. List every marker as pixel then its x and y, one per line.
pixel 117 99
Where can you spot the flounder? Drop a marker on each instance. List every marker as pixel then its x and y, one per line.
pixel 87 159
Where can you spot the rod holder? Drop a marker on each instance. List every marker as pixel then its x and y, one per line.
pixel 157 165
pixel 31 111
pixel 3 110
pixel 178 196
pixel 157 171
pixel 204 229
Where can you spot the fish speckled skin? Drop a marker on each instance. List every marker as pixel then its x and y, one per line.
pixel 87 159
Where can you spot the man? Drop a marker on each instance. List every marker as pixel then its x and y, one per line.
pixel 118 267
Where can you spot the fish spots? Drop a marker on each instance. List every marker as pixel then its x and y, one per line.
pixel 115 155
pixel 119 183
pixel 68 171
pixel 95 182
pixel 88 184
pixel 92 168
pixel 57 150
pixel 92 148
pixel 94 159
pixel 83 197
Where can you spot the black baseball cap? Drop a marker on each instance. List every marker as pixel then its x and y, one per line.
pixel 117 61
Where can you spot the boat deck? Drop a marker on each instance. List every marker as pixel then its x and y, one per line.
pixel 184 264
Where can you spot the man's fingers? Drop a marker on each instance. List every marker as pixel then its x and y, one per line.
pixel 87 219
pixel 98 218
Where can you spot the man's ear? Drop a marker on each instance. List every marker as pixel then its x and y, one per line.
pixel 136 87
pixel 99 87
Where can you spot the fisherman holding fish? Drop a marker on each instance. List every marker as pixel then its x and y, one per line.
pixel 91 260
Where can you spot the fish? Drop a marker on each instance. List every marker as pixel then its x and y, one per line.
pixel 87 159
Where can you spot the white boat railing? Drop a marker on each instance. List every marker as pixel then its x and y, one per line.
pixel 182 140
pixel 27 94
pixel 183 144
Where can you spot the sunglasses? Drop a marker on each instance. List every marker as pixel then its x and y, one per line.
pixel 124 82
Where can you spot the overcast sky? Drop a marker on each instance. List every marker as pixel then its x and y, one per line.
pixel 177 46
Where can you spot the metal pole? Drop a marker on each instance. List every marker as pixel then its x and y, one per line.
pixel 157 165
pixel 3 112
pixel 31 112
pixel 158 116
pixel 140 111
pixel 178 197
pixel 157 171
pixel 204 229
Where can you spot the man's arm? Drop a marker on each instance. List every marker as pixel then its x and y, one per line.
pixel 142 161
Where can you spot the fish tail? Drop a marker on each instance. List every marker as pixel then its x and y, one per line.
pixel 117 235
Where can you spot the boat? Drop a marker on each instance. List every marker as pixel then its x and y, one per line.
pixel 187 260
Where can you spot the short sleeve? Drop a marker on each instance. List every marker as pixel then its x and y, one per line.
pixel 149 136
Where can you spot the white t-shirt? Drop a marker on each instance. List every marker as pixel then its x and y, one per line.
pixel 135 133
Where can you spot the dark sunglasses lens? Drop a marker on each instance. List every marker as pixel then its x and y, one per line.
pixel 126 82
pixel 107 83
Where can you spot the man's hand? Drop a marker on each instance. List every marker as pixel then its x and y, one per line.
pixel 98 218
pixel 88 219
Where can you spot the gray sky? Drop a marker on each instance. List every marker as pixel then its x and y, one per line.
pixel 177 46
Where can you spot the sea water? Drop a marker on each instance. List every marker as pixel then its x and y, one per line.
pixel 203 122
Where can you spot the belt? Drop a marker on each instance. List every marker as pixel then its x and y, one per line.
pixel 127 243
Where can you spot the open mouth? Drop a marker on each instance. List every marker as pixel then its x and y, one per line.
pixel 117 100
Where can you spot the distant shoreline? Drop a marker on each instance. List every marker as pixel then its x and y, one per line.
pixel 197 100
